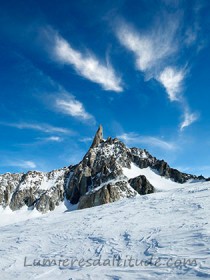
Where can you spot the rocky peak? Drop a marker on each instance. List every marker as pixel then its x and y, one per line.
pixel 98 137
pixel 104 164
pixel 97 179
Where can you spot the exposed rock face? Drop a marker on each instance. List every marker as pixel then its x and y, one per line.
pixel 101 164
pixel 141 185
pixel 165 170
pixel 8 183
pixel 161 166
pixel 104 162
pixel 34 189
pixel 106 194
pixel 96 180
pixel 98 137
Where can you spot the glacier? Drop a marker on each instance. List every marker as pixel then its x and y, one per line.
pixel 165 235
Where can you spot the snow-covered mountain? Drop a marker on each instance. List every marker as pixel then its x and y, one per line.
pixel 108 172
pixel 164 235
pixel 41 190
pixel 160 230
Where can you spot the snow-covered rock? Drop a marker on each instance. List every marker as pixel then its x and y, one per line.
pixel 40 190
pixel 106 162
pixel 107 193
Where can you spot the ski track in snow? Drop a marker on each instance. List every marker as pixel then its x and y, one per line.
pixel 172 224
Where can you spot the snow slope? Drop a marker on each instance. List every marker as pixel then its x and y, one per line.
pixel 171 226
pixel 160 183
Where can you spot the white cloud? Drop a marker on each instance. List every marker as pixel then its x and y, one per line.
pixel 86 139
pixel 172 80
pixel 153 53
pixel 40 127
pixel 151 49
pixel 189 118
pixel 25 164
pixel 87 65
pixel 54 139
pixel 68 105
pixel 50 139
pixel 134 139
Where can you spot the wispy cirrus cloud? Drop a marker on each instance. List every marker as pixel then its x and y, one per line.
pixel 188 119
pixel 135 139
pixel 41 141
pixel 23 164
pixel 172 80
pixel 50 139
pixel 150 49
pixel 86 139
pixel 87 65
pixel 39 127
pixel 153 52
pixel 68 105
pixel 53 139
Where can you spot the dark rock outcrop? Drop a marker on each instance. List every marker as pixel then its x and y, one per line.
pixel 141 185
pixel 165 170
pixel 107 194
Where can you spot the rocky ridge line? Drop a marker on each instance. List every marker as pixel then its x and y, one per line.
pixel 96 180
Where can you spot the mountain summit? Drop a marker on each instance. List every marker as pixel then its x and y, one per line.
pixel 98 137
pixel 108 172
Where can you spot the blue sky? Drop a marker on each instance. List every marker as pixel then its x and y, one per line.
pixel 139 68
